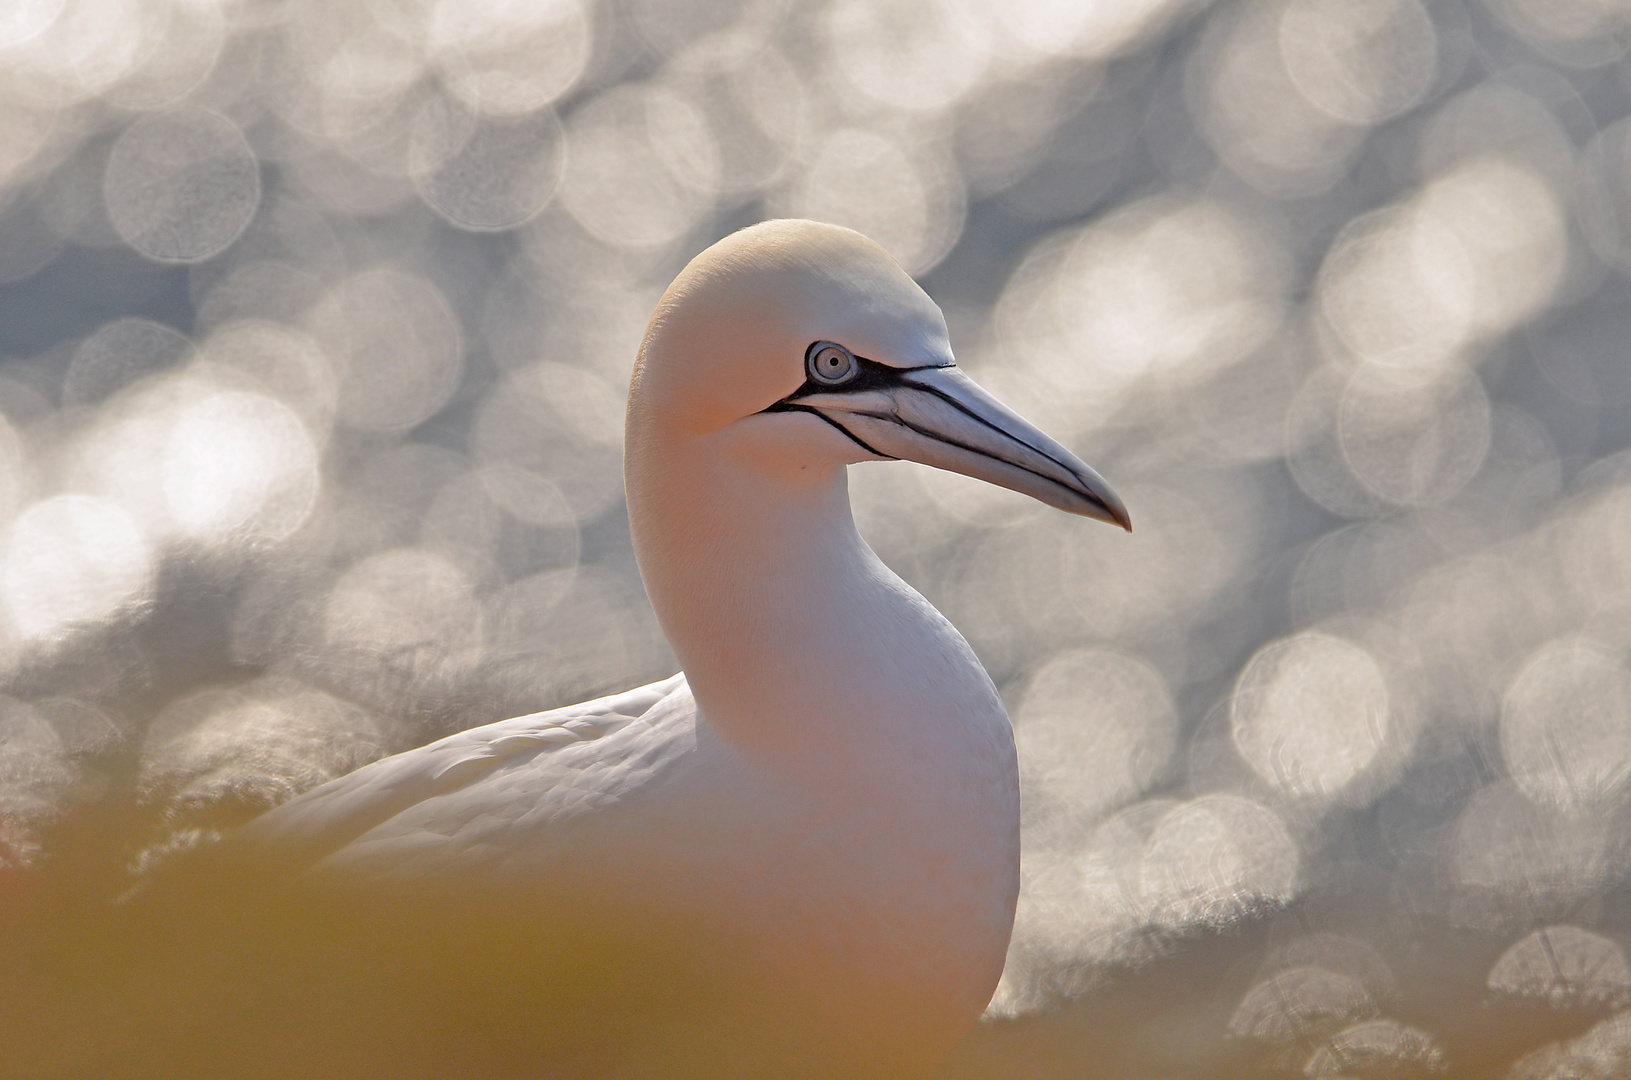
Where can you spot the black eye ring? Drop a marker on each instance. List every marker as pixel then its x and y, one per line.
pixel 830 364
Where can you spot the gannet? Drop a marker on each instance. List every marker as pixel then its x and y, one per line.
pixel 800 856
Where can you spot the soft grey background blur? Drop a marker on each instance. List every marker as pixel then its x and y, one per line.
pixel 317 318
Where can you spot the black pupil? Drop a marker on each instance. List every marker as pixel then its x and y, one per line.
pixel 833 364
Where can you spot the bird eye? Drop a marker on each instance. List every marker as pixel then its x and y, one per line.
pixel 830 364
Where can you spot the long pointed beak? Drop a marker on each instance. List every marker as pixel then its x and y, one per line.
pixel 941 417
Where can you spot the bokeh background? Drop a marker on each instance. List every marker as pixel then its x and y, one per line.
pixel 316 319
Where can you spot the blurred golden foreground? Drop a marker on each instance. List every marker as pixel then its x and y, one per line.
pixel 229 968
pixel 316 320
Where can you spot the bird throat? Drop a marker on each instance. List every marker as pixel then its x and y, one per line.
pixel 765 590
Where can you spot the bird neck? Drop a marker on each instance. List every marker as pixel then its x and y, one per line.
pixel 786 623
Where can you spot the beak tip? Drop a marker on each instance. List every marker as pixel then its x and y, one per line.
pixel 1109 509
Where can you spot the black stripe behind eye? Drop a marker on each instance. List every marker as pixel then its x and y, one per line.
pixel 872 376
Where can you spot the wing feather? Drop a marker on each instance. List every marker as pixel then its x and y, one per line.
pixel 315 825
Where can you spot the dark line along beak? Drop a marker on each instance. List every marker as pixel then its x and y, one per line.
pixel 939 416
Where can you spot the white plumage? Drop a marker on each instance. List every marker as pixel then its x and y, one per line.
pixel 799 857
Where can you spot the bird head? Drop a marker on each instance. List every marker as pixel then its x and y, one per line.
pixel 808 345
